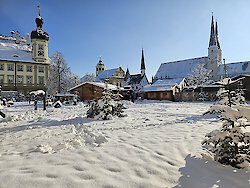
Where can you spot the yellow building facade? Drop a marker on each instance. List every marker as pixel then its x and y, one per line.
pixel 24 67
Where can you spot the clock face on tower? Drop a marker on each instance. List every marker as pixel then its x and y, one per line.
pixel 40 51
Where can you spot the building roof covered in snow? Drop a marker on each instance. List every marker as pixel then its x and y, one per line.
pixel 10 51
pixel 106 74
pixel 163 85
pixel 134 79
pixel 98 84
pixel 178 69
pixel 234 69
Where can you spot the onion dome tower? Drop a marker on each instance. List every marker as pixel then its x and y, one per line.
pixel 100 67
pixel 39 39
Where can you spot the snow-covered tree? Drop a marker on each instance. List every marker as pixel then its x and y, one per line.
pixel 88 77
pixel 203 96
pixel 71 81
pixel 227 97
pixel 60 78
pixel 199 76
pixel 230 98
pixel 106 107
pixel 230 144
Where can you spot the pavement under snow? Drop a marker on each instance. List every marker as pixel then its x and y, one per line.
pixel 158 144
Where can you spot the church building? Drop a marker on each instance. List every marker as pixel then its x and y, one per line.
pixel 213 62
pixel 24 67
pixel 112 76
pixel 137 81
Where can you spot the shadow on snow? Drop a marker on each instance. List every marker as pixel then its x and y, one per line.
pixel 199 173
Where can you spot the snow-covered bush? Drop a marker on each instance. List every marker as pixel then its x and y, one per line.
pixel 106 107
pixel 230 145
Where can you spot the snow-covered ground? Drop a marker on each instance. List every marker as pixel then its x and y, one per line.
pixel 157 145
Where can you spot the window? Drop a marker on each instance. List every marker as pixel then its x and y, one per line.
pixel 1 79
pixel 40 50
pixel 29 79
pixel 1 66
pixel 96 69
pixel 10 67
pixel 40 69
pixel 41 53
pixel 19 67
pixel 40 80
pixel 10 79
pixel 29 68
pixel 19 79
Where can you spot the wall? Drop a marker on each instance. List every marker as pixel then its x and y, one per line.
pixel 160 95
pixel 88 92
pixel 23 86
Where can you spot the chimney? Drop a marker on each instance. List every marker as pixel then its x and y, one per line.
pixel 17 37
pixel 27 39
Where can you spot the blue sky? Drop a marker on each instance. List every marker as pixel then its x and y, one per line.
pixel 117 30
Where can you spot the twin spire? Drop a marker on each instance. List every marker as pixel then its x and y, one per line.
pixel 214 34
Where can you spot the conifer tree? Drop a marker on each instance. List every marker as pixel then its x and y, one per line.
pixel 108 106
pixel 230 144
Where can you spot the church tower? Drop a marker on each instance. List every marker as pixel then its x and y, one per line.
pixel 39 39
pixel 214 51
pixel 142 64
pixel 100 67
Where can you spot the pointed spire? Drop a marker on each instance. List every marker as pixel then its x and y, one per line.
pixel 142 61
pixel 212 41
pixel 217 35
pixel 127 75
pixel 38 7
pixel 142 64
pixel 39 19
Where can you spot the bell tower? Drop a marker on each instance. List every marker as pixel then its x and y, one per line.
pixel 100 67
pixel 39 39
pixel 214 51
